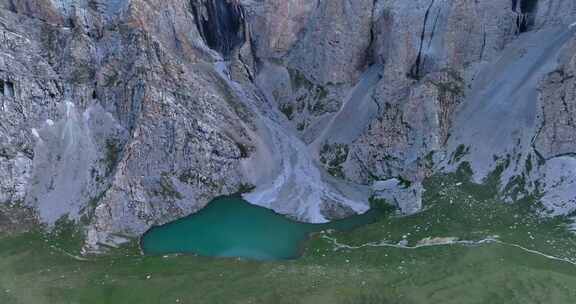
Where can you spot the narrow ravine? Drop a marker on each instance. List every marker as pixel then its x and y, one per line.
pixel 295 186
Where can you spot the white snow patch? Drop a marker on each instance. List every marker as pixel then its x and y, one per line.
pixel 35 133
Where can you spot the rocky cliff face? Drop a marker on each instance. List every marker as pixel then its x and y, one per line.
pixel 125 114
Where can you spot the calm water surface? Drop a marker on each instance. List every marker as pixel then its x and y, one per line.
pixel 231 227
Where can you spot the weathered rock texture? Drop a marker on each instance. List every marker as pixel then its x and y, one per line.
pixel 124 114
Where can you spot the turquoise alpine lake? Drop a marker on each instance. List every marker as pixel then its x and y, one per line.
pixel 231 227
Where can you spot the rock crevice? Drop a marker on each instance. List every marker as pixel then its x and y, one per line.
pixel 221 24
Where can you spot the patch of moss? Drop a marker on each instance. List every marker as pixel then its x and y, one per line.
pixel 245 188
pixel 67 235
pixel 298 80
pixel 190 178
pixel 322 93
pixel 288 110
pixel 112 155
pixel 429 160
pixel 528 166
pixel 88 211
pixel 381 204
pixel 516 188
pixel 404 183
pixel 244 150
pixel 318 108
pixel 336 171
pixel 333 156
pixel 454 88
pixel 310 96
pixel 167 189
pixel 4 153
pixel 460 152
pixel 186 177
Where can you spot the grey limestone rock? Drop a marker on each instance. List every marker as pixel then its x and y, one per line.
pixel 124 114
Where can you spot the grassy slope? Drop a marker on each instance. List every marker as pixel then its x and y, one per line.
pixel 34 272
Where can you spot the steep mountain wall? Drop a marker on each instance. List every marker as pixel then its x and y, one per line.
pixel 125 114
